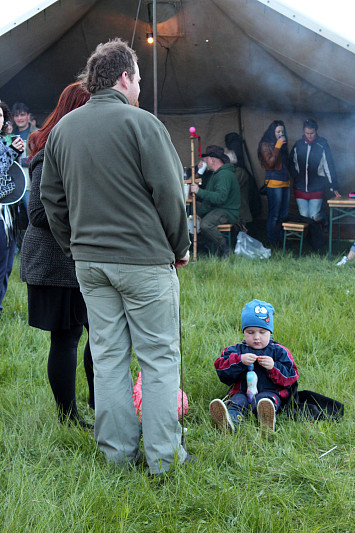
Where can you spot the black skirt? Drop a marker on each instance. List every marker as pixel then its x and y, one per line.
pixel 55 308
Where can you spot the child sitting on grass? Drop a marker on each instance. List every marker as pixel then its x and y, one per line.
pixel 272 366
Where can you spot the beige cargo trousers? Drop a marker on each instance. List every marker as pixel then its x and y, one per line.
pixel 134 306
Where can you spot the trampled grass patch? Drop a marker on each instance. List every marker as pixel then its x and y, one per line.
pixel 53 479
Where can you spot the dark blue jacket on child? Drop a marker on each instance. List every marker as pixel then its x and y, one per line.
pixel 232 371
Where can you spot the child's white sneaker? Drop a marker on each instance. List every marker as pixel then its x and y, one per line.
pixel 220 415
pixel 342 261
pixel 266 415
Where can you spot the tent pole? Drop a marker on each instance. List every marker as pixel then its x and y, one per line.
pixel 239 107
pixel 135 23
pixel 155 68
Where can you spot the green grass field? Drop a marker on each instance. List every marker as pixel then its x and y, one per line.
pixel 53 479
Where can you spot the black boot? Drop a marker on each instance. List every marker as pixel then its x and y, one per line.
pixel 223 251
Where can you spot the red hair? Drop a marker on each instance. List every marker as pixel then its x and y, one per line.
pixel 73 96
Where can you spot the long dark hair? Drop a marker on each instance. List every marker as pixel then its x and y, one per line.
pixel 73 96
pixel 269 136
pixel 7 117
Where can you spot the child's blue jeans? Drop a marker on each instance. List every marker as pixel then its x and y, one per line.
pixel 237 404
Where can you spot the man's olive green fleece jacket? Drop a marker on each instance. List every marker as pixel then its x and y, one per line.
pixel 112 185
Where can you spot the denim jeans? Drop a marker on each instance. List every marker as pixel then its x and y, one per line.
pixel 7 252
pixel 311 208
pixel 278 202
pixel 238 404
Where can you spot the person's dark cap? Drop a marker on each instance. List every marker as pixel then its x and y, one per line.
pixel 19 107
pixel 217 152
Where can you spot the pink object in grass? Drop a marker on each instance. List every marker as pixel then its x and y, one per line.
pixel 183 403
pixel 192 129
pixel 137 397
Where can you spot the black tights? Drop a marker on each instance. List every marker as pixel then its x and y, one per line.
pixel 62 370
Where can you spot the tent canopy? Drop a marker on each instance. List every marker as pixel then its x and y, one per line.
pixel 239 58
pixel 213 54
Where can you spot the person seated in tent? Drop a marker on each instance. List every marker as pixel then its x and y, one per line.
pixel 259 371
pixel 220 200
pixel 242 176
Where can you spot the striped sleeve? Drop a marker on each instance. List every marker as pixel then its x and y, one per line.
pixel 229 366
pixel 284 373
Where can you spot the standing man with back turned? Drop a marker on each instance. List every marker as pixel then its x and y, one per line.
pixel 115 203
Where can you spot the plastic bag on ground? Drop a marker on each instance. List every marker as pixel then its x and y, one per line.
pixel 183 404
pixel 250 247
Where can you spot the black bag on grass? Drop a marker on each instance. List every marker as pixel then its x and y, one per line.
pixel 318 406
pixel 312 405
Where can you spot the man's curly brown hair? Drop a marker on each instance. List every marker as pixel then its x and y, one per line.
pixel 106 64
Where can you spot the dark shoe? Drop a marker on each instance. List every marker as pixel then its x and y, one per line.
pixel 83 424
pixel 76 421
pixel 223 251
pixel 137 460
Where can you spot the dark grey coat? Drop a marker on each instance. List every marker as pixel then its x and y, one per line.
pixel 42 260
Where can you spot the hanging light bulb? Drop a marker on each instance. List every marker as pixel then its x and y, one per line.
pixel 149 37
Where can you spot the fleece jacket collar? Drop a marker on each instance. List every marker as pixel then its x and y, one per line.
pixel 109 93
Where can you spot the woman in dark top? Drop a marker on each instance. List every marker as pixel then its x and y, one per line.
pixel 8 154
pixel 55 303
pixel 273 156
pixel 313 172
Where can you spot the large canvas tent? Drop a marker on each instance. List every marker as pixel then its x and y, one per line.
pixel 223 66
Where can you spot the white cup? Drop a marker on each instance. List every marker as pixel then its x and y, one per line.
pixel 202 169
pixel 186 190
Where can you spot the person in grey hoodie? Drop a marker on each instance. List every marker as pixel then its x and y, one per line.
pixel 115 203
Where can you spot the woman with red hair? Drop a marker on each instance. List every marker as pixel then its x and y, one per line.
pixel 55 303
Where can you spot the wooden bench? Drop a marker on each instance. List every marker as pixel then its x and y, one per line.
pixel 293 231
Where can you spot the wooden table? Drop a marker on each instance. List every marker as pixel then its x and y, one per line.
pixel 339 208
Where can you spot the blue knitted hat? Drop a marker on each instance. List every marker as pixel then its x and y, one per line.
pixel 258 314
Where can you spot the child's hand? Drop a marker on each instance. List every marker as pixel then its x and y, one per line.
pixel 266 362
pixel 248 358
